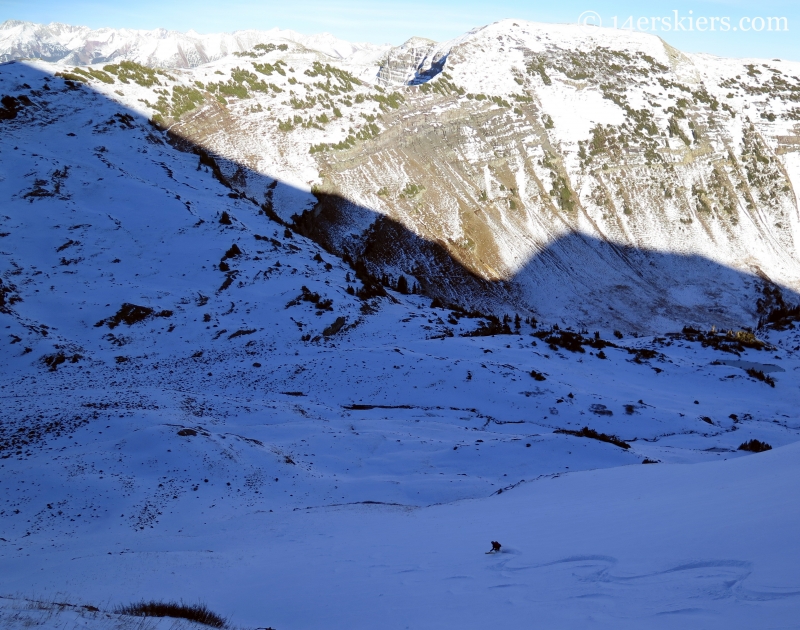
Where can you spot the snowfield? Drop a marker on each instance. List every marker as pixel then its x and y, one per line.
pixel 711 545
pixel 197 405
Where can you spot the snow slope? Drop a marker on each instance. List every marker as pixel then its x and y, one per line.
pixel 710 545
pixel 239 447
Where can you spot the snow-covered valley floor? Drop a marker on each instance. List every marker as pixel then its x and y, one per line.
pixel 710 545
pixel 352 479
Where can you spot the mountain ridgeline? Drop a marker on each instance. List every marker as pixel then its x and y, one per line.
pixel 594 177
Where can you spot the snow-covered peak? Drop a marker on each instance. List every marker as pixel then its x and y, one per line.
pixel 413 62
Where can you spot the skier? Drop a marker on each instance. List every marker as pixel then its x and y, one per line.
pixel 495 547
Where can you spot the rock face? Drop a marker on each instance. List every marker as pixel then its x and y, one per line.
pixel 415 62
pixel 598 178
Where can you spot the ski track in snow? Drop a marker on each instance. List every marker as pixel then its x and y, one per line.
pixel 287 504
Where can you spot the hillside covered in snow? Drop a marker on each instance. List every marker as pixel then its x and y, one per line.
pixel 299 336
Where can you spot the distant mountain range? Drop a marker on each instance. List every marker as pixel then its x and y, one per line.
pixel 80 45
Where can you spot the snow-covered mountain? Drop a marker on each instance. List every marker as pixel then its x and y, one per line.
pixel 601 178
pixel 598 177
pixel 210 392
pixel 160 48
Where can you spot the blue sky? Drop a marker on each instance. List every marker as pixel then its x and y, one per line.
pixel 394 22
